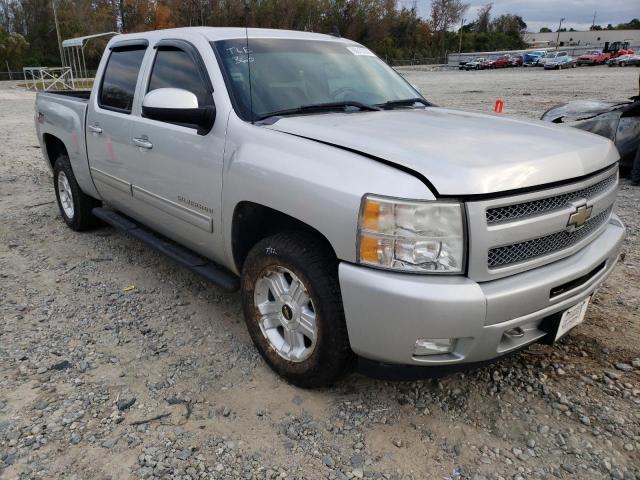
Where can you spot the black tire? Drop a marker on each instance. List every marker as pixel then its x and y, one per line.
pixel 82 218
pixel 313 262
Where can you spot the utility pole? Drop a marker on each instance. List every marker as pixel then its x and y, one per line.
pixel 8 69
pixel 55 19
pixel 460 45
pixel 593 24
pixel 558 36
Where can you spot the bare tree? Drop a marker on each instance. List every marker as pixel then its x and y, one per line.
pixel 444 14
pixel 5 15
pixel 483 22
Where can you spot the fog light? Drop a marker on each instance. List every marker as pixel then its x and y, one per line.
pixel 433 346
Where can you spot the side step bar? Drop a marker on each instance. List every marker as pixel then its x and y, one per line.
pixel 213 272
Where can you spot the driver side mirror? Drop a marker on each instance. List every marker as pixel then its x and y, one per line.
pixel 175 105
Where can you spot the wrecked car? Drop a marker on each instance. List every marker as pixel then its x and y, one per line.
pixel 616 120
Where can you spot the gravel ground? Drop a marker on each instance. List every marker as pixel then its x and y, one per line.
pixel 115 363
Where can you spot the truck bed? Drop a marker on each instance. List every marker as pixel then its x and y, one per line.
pixel 82 95
pixel 62 115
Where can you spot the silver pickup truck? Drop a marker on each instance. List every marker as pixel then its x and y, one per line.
pixel 358 220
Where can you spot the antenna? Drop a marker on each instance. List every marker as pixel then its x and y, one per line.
pixel 246 35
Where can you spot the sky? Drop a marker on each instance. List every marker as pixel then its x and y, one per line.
pixel 547 13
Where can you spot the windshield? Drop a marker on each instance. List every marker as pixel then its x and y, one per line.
pixel 551 56
pixel 291 73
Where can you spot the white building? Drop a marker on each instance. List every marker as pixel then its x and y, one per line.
pixel 595 38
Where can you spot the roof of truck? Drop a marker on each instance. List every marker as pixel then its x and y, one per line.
pixel 226 33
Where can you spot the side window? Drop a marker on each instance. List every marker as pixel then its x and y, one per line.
pixel 174 68
pixel 120 78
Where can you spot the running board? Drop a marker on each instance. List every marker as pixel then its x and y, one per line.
pixel 211 271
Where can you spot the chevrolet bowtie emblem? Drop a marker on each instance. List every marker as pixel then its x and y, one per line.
pixel 580 216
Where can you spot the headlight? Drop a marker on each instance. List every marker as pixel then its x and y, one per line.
pixel 412 236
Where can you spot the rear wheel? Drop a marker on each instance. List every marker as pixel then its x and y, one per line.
pixel 293 309
pixel 75 206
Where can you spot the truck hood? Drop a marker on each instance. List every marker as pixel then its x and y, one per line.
pixel 460 153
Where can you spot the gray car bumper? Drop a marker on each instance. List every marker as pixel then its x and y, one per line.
pixel 387 312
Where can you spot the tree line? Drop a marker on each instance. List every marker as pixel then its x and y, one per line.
pixel 28 33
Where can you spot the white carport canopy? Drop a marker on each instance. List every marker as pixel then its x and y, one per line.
pixel 73 53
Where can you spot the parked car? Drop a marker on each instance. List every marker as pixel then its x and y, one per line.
pixel 476 64
pixel 618 121
pixel 624 60
pixel 502 61
pixel 302 170
pixel 546 58
pixel 593 57
pixel 559 61
pixel 517 60
pixel 531 58
pixel 487 63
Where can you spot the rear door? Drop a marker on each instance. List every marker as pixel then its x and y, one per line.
pixel 109 147
pixel 177 176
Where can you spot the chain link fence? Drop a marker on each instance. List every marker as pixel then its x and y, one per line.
pixel 405 62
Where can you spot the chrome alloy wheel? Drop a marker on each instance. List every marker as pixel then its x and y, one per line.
pixel 287 315
pixel 66 197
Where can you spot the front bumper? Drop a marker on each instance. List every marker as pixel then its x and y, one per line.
pixel 387 312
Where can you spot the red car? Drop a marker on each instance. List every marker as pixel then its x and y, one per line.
pixel 593 57
pixel 502 62
pixel 517 60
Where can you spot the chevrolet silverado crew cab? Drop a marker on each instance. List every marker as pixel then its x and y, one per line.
pixel 358 220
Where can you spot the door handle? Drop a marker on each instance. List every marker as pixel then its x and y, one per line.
pixel 95 129
pixel 143 143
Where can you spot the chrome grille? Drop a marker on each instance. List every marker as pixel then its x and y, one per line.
pixel 544 205
pixel 538 247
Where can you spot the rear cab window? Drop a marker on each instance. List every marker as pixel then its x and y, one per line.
pixel 120 78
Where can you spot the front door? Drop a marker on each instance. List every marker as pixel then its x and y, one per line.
pixel 177 177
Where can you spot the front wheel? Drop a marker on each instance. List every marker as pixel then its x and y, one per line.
pixel 293 309
pixel 75 206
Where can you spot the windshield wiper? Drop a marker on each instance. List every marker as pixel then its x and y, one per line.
pixel 407 102
pixel 319 107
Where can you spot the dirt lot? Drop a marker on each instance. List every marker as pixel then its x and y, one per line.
pixel 115 363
